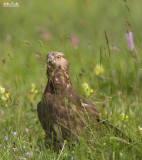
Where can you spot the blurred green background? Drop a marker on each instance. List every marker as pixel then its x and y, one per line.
pixel 51 25
pixel 88 32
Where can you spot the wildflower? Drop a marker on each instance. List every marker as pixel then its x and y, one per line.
pixel 87 89
pixel 91 91
pixel 36 91
pixel 41 137
pixel 33 86
pixel 65 141
pixel 122 117
pixel 121 154
pixel 85 86
pixel 5 138
pixel 31 96
pixel 74 40
pixel 36 149
pixel 33 92
pixel 26 130
pixel 140 129
pixel 98 70
pixel 127 117
pixel 5 96
pixel 9 128
pixel 2 90
pixel 72 158
pixel 15 133
pixel 29 155
pixel 129 39
pixel 100 115
pixel 15 149
pixel 2 112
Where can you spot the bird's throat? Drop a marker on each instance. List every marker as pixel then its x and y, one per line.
pixel 58 81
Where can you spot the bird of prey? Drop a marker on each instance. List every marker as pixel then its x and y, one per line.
pixel 62 113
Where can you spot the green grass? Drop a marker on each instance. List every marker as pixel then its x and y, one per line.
pixel 120 89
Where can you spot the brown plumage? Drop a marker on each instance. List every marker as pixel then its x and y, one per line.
pixel 62 113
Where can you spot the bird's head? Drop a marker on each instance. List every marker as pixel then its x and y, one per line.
pixel 56 61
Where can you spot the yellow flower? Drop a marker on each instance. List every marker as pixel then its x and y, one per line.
pixel 31 97
pixel 65 141
pixel 98 70
pixel 126 117
pixel 100 115
pixel 122 116
pixel 91 91
pixel 2 90
pixel 33 86
pixel 32 90
pixel 36 91
pixel 7 95
pixel 41 137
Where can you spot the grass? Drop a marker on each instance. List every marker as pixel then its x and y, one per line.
pixel 37 27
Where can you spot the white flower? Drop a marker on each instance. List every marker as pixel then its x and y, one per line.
pixel 15 133
pixel 87 89
pixel 2 90
pixel 4 98
pixel 140 129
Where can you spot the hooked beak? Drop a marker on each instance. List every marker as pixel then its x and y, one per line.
pixel 49 62
pixel 49 59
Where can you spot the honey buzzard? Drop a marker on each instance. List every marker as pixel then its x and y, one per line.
pixel 62 113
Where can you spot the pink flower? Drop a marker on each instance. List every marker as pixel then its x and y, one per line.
pixel 36 149
pixel 5 138
pixel 26 130
pixel 129 39
pixel 74 40
pixel 2 112
pixel 15 149
pixel 29 155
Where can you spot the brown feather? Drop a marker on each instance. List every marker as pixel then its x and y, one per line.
pixel 62 113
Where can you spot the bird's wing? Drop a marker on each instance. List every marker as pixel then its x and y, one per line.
pixel 92 113
pixel 42 115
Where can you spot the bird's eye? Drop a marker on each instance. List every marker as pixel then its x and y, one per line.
pixel 59 57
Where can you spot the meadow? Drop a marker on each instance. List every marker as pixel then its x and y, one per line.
pixel 92 35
